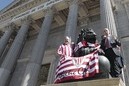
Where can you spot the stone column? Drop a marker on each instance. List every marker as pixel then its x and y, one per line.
pixel 33 67
pixel 52 70
pixel 5 38
pixel 71 23
pixel 107 17
pixel 123 33
pixel 12 55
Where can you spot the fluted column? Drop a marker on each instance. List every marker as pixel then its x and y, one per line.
pixel 52 70
pixel 13 52
pixel 33 67
pixel 107 17
pixel 123 32
pixel 5 38
pixel 71 23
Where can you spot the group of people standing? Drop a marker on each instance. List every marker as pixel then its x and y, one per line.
pixel 109 44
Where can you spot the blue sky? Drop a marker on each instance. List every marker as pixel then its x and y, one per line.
pixel 4 3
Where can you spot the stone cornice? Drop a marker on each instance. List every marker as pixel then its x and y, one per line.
pixel 34 8
pixel 27 9
pixel 19 9
pixel 22 8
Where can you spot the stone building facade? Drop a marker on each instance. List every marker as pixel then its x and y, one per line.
pixel 32 30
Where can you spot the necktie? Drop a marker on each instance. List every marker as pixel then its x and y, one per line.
pixel 107 43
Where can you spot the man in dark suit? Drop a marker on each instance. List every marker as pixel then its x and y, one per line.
pixel 111 47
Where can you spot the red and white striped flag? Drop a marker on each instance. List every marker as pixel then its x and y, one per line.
pixel 73 68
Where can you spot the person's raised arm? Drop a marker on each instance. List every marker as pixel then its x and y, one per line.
pixel 60 51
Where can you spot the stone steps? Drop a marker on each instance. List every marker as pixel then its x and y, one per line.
pixel 99 82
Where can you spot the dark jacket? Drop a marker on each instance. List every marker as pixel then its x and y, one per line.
pixel 114 44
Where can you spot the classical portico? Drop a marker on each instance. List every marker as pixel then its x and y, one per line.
pixel 41 27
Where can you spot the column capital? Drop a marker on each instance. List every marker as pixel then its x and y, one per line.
pixel 10 26
pixel 51 9
pixel 71 2
pixel 113 4
pixel 54 9
pixel 81 4
pixel 28 18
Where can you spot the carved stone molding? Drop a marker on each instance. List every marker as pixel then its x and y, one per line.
pixel 10 26
pixel 70 2
pixel 21 8
pixel 36 25
pixel 52 8
pixel 124 1
pixel 57 6
pixel 28 18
